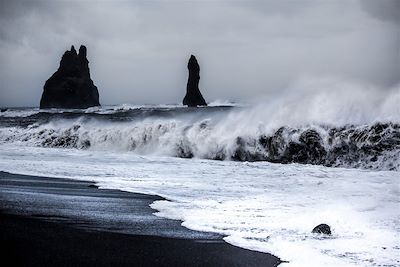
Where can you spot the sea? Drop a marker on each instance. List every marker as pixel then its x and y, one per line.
pixel 261 176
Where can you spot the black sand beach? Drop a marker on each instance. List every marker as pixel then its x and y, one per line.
pixel 61 222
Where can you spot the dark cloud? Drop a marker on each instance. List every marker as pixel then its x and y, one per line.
pixel 138 50
pixel 388 10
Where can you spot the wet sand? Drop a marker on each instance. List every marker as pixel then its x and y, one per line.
pixel 61 222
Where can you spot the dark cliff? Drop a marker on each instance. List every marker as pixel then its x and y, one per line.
pixel 71 86
pixel 193 97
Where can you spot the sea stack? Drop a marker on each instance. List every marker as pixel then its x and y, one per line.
pixel 70 86
pixel 193 97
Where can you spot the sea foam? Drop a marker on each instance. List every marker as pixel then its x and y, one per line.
pixel 256 205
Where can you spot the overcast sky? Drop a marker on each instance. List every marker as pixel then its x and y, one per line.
pixel 138 50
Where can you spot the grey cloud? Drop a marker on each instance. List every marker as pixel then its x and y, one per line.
pixel 247 49
pixel 388 10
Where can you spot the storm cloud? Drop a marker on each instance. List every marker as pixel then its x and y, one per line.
pixel 138 50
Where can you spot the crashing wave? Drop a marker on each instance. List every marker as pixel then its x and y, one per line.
pixel 374 146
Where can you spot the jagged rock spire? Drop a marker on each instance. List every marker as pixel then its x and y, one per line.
pixel 70 86
pixel 193 97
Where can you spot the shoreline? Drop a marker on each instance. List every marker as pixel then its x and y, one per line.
pixel 55 221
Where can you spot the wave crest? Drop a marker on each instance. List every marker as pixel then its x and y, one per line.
pixel 375 146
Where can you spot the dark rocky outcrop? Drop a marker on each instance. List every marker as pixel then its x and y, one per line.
pixel 322 229
pixel 70 86
pixel 193 97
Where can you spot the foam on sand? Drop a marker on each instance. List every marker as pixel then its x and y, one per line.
pixel 261 206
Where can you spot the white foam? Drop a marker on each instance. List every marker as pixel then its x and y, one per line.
pixel 261 206
pixel 220 102
pixel 200 135
pixel 25 112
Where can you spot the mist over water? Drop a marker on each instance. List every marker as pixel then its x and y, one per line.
pixel 325 122
pixel 329 101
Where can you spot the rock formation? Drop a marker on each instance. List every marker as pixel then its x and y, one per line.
pixel 193 97
pixel 70 86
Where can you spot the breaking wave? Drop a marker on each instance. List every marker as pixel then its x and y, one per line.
pixel 375 146
pixel 341 125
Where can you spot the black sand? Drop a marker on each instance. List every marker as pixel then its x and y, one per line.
pixel 61 222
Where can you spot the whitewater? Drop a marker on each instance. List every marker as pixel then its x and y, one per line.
pixel 262 175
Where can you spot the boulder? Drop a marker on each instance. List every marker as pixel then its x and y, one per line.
pixel 193 97
pixel 322 229
pixel 71 86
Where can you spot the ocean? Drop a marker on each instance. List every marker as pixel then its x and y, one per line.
pixel 263 178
